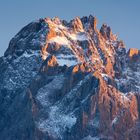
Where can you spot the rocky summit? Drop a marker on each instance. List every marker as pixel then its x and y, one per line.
pixel 64 80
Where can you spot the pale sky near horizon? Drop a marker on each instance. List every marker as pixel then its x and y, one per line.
pixel 122 15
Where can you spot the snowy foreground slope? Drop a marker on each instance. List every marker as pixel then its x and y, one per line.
pixel 64 80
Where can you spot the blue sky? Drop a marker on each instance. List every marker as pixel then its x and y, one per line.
pixel 122 15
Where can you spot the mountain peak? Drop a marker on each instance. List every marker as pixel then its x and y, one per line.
pixel 78 41
pixel 133 52
pixel 77 25
pixel 69 81
pixel 106 31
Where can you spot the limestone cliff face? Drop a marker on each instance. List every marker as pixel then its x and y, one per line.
pixel 64 80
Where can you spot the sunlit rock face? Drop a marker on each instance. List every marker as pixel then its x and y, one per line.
pixel 64 80
pixel 133 52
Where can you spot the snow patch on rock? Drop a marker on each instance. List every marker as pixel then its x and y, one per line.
pixel 68 60
pixel 57 123
pixel 91 138
pixel 114 121
pixel 79 36
pixel 60 40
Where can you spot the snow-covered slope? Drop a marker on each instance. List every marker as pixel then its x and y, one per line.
pixel 64 80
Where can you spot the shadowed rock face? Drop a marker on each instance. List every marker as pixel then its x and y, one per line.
pixel 64 80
